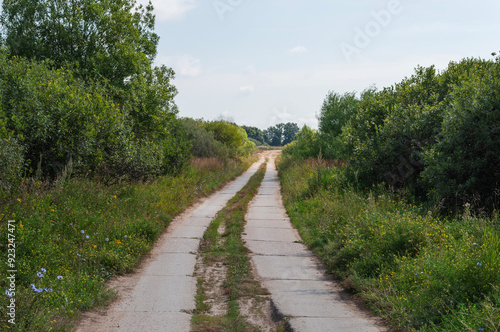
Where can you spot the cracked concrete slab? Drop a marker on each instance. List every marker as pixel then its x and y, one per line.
pixel 300 289
pixel 160 296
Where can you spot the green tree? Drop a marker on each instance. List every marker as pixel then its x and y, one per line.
pixel 274 135
pixel 100 39
pixel 337 109
pixel 290 131
pixel 255 134
pixel 234 137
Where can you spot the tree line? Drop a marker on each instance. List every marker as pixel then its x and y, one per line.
pixel 434 136
pixel 278 135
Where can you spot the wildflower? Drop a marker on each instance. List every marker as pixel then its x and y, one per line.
pixel 50 290
pixel 114 196
pixel 18 199
pixel 71 224
pixel 39 274
pixel 82 231
pixel 107 239
pixel 33 286
pixel 87 236
pixel 43 270
pixel 8 293
pixel 479 264
pixel 125 236
pixel 118 241
pixel 60 277
pixel 52 210
pixel 79 255
pixel 95 245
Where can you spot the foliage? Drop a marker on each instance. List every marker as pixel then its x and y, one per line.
pixel 232 136
pixel 108 40
pixel 431 136
pixel 418 271
pixel 306 145
pixel 203 142
pixel 91 233
pixel 255 135
pixel 11 164
pixel 463 167
pixel 56 117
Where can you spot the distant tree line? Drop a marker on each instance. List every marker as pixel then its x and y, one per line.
pixel 278 135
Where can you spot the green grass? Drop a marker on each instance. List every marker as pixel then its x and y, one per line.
pixel 82 233
pixel 229 249
pixel 418 271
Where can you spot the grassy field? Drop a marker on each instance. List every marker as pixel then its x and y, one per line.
pixel 73 236
pixel 418 271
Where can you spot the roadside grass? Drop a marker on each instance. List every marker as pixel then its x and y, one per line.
pixel 418 271
pixel 73 236
pixel 229 249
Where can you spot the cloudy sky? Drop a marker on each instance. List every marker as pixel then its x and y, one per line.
pixel 262 62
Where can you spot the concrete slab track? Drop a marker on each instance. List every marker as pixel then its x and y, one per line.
pixel 299 288
pixel 161 296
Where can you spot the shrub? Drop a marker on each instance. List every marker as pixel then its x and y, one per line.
pixel 11 164
pixel 203 142
pixel 463 166
pixel 232 136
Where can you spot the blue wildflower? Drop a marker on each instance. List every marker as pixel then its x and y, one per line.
pixel 39 274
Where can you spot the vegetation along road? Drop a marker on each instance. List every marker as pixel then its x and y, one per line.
pixel 161 296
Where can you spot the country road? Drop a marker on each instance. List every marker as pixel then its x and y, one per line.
pixel 160 296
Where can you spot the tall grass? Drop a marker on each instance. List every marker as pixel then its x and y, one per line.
pixel 419 271
pixel 74 236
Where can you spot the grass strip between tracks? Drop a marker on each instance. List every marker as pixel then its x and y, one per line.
pixel 229 249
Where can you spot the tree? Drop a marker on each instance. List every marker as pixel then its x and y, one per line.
pixel 274 135
pixel 337 109
pixel 255 134
pixel 106 39
pixel 290 131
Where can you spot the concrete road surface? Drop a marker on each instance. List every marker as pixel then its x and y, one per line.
pixel 300 290
pixel 160 296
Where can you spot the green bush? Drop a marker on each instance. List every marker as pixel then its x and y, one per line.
pixel 11 164
pixel 306 146
pixel 57 118
pixel 232 136
pixel 203 142
pixel 463 166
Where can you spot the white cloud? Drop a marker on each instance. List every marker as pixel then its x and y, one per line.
pixel 280 116
pixel 184 65
pixel 167 10
pixel 298 50
pixel 247 90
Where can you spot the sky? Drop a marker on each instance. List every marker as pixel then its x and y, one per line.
pixel 263 62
